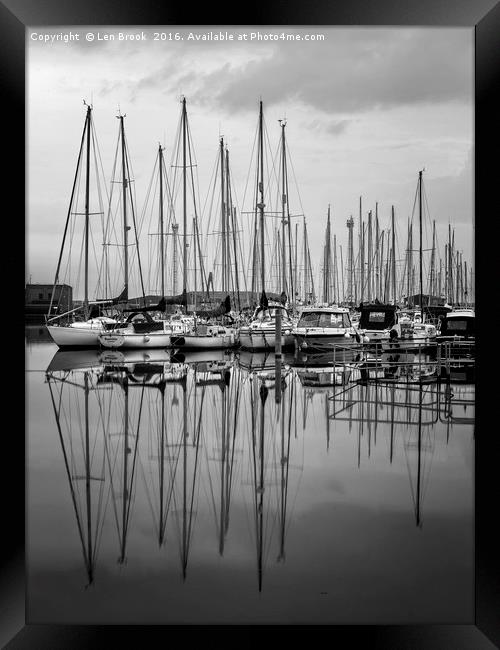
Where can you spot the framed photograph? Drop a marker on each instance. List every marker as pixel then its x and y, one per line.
pixel 191 191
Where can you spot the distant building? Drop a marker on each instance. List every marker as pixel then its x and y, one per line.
pixel 37 298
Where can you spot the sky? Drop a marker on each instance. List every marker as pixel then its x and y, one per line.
pixel 366 109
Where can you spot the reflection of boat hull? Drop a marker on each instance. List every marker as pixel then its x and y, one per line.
pixel 410 345
pixel 264 340
pixel 112 356
pixel 459 373
pixel 323 377
pixel 335 355
pixel 455 347
pixel 261 360
pixel 201 356
pixel 322 341
pixel 401 366
pixel 74 360
pixel 207 342
pixel 75 337
pixel 134 340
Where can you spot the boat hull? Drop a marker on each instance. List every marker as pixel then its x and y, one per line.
pixel 134 340
pixel 321 341
pixel 262 340
pixel 75 337
pixel 208 342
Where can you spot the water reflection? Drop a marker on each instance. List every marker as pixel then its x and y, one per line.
pixel 187 431
pixel 270 489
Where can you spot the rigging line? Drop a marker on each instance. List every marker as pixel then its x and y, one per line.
pixel 132 492
pixel 212 492
pixel 211 185
pixel 68 472
pixel 110 223
pixel 87 121
pixel 127 161
pixel 194 470
pixel 152 246
pixel 294 177
pixel 154 513
pixel 101 210
pixel 111 469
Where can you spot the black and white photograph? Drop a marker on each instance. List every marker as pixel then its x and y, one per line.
pixel 250 290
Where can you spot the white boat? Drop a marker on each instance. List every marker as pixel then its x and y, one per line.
pixel 85 333
pixel 377 321
pixel 324 327
pixel 129 339
pixel 260 333
pixel 412 332
pixel 457 333
pixel 206 337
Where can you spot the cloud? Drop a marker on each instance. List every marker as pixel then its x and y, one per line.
pixel 367 69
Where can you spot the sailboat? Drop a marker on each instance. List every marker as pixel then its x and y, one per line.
pixel 423 331
pixel 82 333
pixel 204 333
pixel 140 330
pixel 260 333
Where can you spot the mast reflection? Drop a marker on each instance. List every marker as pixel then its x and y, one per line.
pixel 207 430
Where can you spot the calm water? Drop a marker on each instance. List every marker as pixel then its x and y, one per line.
pixel 188 491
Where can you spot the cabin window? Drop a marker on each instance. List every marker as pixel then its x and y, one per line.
pixel 376 317
pixel 455 325
pixel 40 296
pixel 309 320
pixel 333 320
pixel 316 319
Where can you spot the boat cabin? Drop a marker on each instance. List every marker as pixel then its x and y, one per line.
pixel 269 313
pixel 458 323
pixel 324 318
pixel 377 317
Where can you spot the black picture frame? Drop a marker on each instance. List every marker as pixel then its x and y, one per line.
pixel 481 15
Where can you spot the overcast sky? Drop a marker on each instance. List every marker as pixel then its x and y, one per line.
pixel 367 108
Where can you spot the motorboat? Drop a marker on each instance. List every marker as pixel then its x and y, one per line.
pixel 324 327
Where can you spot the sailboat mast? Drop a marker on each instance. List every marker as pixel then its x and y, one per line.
pixel 336 299
pixel 327 269
pixel 283 203
pixel 223 215
pixel 124 190
pixel 87 192
pixel 261 204
pixel 408 262
pixel 369 269
pixel 184 206
pixel 450 272
pixel 393 257
pixel 377 254
pixel 432 281
pixel 162 242
pixel 82 145
pixel 466 297
pixel 420 243
pixel 305 287
pixel 361 254
pixel 194 262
